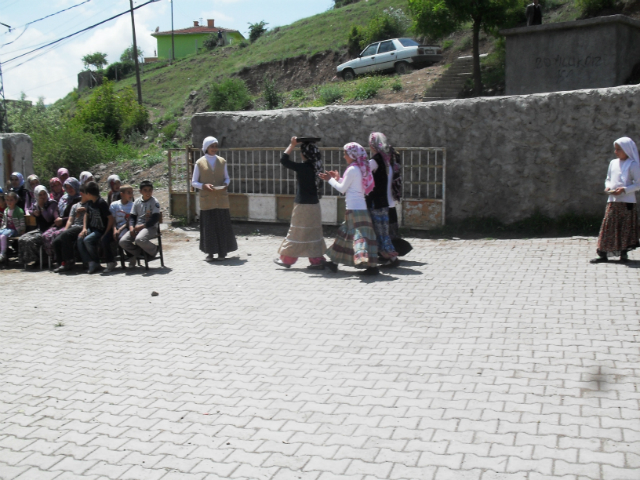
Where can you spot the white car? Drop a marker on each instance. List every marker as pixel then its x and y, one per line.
pixel 399 54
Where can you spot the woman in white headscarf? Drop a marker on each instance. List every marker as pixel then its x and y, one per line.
pixel 46 211
pixel 113 184
pixel 619 231
pixel 86 177
pixel 211 177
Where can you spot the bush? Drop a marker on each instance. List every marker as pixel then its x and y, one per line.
pixel 342 3
pixel 128 56
pixel 256 30
pixel 368 88
pixel 330 94
pixel 211 42
pixel 169 131
pixel 229 96
pixel 119 70
pixel 391 23
pixel 593 7
pixel 270 93
pixel 396 86
pixel 447 44
pixel 112 115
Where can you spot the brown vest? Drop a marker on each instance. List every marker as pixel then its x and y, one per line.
pixel 214 176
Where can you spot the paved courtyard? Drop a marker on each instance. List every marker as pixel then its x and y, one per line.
pixel 477 360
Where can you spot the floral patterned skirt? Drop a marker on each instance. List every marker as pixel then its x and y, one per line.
pixel 619 232
pixel 355 244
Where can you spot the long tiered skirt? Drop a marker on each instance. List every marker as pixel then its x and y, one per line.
pixel 619 231
pixel 355 243
pixel 216 232
pixel 305 237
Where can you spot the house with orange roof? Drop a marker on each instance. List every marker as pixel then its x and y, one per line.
pixel 187 41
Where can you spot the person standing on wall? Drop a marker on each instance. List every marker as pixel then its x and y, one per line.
pixel 534 13
pixel 305 237
pixel 620 230
pixel 211 177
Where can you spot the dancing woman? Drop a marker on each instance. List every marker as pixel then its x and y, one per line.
pixel 355 244
pixel 211 177
pixel 305 238
pixel 619 231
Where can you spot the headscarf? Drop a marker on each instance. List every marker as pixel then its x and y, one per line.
pixel 37 190
pixel 84 176
pixel 111 180
pixel 30 179
pixel 52 183
pixel 630 148
pixel 20 177
pixel 379 142
pixel 207 143
pixel 66 198
pixel 361 161
pixel 312 155
pixel 62 172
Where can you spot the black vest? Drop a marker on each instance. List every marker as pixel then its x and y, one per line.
pixel 378 197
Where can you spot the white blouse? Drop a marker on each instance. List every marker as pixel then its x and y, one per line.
pixel 195 179
pixel 614 180
pixel 351 186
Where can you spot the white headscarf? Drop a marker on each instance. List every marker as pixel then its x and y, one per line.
pixel 630 148
pixel 111 180
pixel 207 143
pixel 38 189
pixel 84 176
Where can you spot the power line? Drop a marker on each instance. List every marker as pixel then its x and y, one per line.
pixel 48 16
pixel 77 33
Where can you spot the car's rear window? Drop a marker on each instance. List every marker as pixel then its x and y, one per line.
pixel 408 42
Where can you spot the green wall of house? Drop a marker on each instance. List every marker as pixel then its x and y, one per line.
pixel 189 44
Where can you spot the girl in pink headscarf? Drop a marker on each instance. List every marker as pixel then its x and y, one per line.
pixel 63 175
pixel 56 190
pixel 355 244
pixel 619 231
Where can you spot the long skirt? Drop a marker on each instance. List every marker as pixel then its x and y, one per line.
pixel 393 223
pixel 29 247
pixel 355 244
pixel 380 220
pixel 216 232
pixel 48 237
pixel 619 231
pixel 305 238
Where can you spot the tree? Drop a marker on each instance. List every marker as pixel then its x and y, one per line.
pixel 437 18
pixel 97 60
pixel 127 55
pixel 256 30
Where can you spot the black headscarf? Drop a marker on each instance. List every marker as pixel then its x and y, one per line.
pixel 313 155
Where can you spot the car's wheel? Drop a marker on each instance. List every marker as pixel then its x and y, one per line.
pixel 403 68
pixel 348 75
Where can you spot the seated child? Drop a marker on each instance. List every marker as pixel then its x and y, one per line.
pixel 98 222
pixel 12 223
pixel 113 183
pixel 120 209
pixel 63 243
pixel 143 225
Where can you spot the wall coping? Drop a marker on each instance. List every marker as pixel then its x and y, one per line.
pixel 572 25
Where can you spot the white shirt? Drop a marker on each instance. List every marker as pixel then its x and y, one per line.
pixel 614 180
pixel 196 173
pixel 374 166
pixel 351 186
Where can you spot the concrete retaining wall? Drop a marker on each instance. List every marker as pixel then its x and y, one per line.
pixel 506 156
pixel 15 156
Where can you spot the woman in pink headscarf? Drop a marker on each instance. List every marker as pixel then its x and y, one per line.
pixel 55 188
pixel 63 175
pixel 619 231
pixel 355 244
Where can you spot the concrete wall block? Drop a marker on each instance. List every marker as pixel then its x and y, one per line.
pixel 262 207
pixel 16 155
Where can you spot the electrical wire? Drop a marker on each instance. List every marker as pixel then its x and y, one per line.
pixel 49 16
pixel 74 34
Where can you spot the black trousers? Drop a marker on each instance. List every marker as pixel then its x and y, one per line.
pixel 63 244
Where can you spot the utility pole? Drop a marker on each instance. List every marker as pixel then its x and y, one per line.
pixel 135 54
pixel 4 121
pixel 173 47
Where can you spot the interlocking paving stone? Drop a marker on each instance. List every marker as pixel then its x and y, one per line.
pixel 476 359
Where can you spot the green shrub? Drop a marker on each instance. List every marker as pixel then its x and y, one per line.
pixel 330 94
pixel 447 44
pixel 119 70
pixel 593 7
pixel 170 130
pixel 355 40
pixel 368 88
pixel 256 30
pixel 211 42
pixel 270 93
pixel 342 3
pixel 298 95
pixel 391 23
pixel 112 115
pixel 229 95
pixel 396 86
pixel 494 65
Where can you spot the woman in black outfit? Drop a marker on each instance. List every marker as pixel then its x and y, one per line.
pixel 305 237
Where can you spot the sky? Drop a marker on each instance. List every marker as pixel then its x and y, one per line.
pixel 53 74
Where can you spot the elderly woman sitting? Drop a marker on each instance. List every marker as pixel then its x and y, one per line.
pixel 66 202
pixel 46 211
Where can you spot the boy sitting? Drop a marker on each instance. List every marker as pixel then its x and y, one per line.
pixel 98 222
pixel 143 225
pixel 63 243
pixel 120 209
